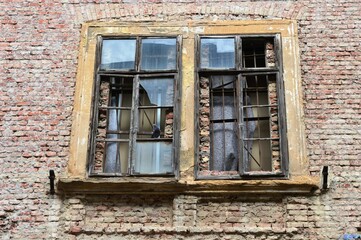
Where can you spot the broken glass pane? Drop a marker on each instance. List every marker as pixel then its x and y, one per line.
pixel 118 54
pixel 154 95
pixel 217 53
pixel 159 54
pixel 156 92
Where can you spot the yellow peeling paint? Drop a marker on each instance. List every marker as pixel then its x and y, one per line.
pixel 188 30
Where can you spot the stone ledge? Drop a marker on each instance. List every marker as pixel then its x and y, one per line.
pixel 295 185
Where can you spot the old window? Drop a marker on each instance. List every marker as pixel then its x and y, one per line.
pixel 135 108
pixel 219 95
pixel 241 122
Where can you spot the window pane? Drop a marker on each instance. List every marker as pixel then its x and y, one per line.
pixel 224 127
pixel 156 92
pixel 159 54
pixel 153 158
pixel 118 54
pixel 154 95
pixel 217 53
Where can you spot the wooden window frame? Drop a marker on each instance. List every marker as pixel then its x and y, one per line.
pixel 135 74
pixel 240 71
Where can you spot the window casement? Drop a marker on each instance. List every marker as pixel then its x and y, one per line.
pixel 241 121
pixel 135 107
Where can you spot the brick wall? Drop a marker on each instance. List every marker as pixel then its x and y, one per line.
pixel 38 58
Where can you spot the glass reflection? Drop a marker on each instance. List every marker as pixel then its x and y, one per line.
pixel 217 53
pixel 156 92
pixel 158 54
pixel 118 54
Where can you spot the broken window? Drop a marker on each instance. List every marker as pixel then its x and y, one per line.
pixel 134 128
pixel 241 119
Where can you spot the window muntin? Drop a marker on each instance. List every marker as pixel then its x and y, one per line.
pixel 239 122
pixel 133 127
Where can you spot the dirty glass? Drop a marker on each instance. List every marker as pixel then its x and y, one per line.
pixel 224 147
pixel 153 158
pixel 158 54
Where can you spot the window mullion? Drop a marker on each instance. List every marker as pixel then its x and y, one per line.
pixel 134 124
pixel 243 165
pixel 138 54
pixel 239 58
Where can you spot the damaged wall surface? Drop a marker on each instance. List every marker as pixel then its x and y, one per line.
pixel 40 45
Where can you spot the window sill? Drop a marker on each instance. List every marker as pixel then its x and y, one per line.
pixel 296 185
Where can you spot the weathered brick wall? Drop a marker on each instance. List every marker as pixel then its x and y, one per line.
pixel 38 58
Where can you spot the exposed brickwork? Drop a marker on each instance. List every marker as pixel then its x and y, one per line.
pixel 38 58
pixel 102 126
pixel 275 144
pixel 168 129
pixel 204 121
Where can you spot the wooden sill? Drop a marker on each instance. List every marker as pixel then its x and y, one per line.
pixel 295 185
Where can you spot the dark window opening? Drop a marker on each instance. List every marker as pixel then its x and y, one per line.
pixel 258 52
pixel 260 115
